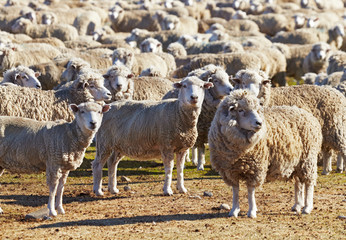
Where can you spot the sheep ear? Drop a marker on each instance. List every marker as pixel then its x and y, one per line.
pixel 17 76
pixel 82 85
pixel 208 85
pixel 177 85
pixel 235 80
pixel 267 81
pixel 37 74
pixel 74 107
pixel 158 45
pixel 106 76
pixel 73 66
pixel 130 75
pixel 106 108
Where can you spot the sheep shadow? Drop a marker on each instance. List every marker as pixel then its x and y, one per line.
pixel 135 220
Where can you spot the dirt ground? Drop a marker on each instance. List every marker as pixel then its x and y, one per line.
pixel 144 213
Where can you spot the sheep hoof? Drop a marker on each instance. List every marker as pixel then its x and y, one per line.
pixel 114 191
pixel 1 212
pixel 98 192
pixel 251 214
pixel 182 189
pixel 307 210
pixel 296 208
pixel 325 173
pixel 338 170
pixel 200 168
pixel 61 210
pixel 234 212
pixel 168 192
pixel 53 213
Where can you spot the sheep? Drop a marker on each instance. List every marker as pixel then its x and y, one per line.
pixel 150 129
pixel 272 23
pixel 73 68
pixel 49 18
pixel 325 103
pixel 212 98
pixel 183 25
pixel 151 72
pixel 138 62
pixel 125 21
pixel 336 62
pixel 22 76
pixel 52 105
pixel 176 49
pixel 87 22
pixel 254 144
pixel 151 45
pixel 64 32
pixel 50 74
pixel 120 82
pixel 317 59
pixel 54 147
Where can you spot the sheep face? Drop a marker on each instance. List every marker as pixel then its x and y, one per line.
pixel 122 56
pixel 48 19
pixel 115 12
pixel 214 27
pixel 27 80
pixel 93 83
pixel 299 20
pixel 151 45
pixel 222 86
pixel 89 115
pixel 170 22
pixel 73 68
pixel 320 52
pixel 191 91
pixel 250 80
pixel 20 25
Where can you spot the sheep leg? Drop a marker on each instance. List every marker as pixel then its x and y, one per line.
pixel 1 171
pixel 298 196
pixel 187 157
pixel 168 162
pixel 327 161
pixel 59 194
pixel 53 186
pixel 339 163
pixel 201 158
pixel 252 202
pixel 309 195
pixel 180 171
pixel 235 203
pixel 1 211
pixel 97 165
pixel 113 162
pixel 194 155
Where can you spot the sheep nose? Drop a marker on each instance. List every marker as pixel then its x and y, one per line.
pixel 93 124
pixel 119 85
pixel 108 94
pixel 258 123
pixel 38 86
pixel 194 97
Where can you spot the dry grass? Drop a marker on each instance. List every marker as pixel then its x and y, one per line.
pixel 143 212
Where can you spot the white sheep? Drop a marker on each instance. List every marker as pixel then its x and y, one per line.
pixel 151 45
pixel 325 103
pixel 73 67
pixel 147 130
pixel 317 59
pixel 52 105
pixel 87 22
pixel 176 49
pixel 55 147
pixel 22 76
pixel 252 144
pixel 183 25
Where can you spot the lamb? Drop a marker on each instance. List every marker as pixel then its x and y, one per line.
pixel 325 103
pixel 64 32
pixel 29 148
pixel 120 82
pixel 147 130
pixel 125 21
pixel 52 105
pixel 254 144
pixel 317 59
pixel 22 76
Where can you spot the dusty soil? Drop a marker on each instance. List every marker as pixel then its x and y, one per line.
pixel 143 212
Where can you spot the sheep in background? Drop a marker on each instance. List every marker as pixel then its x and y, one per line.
pixel 125 21
pixel 183 25
pixel 336 62
pixel 87 22
pixel 317 59
pixel 147 130
pixel 52 105
pixel 54 147
pixel 73 68
pixel 49 18
pixel 151 45
pixel 255 145
pixel 64 32
pixel 22 76
pixel 325 103
pixel 151 72
pixel 176 49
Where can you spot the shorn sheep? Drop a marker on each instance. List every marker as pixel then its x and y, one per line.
pixel 328 105
pixel 22 76
pixel 252 144
pixel 31 146
pixel 147 130
pixel 52 105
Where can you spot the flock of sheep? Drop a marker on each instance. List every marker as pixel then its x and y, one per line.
pixel 153 79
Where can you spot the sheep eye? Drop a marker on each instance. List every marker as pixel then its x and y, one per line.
pixel 82 111
pixel 231 108
pixel 92 86
pixel 240 110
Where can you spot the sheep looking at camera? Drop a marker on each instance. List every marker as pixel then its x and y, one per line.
pixel 254 145
pixel 54 147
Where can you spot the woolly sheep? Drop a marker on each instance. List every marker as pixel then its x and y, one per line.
pixel 255 145
pixel 183 25
pixel 52 105
pixel 120 82
pixel 151 45
pixel 49 74
pixel 317 59
pixel 22 76
pixel 87 22
pixel 64 32
pixel 147 130
pixel 176 49
pixel 272 23
pixel 125 21
pixel 151 72
pixel 325 103
pixel 336 62
pixel 54 147
pixel 73 68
